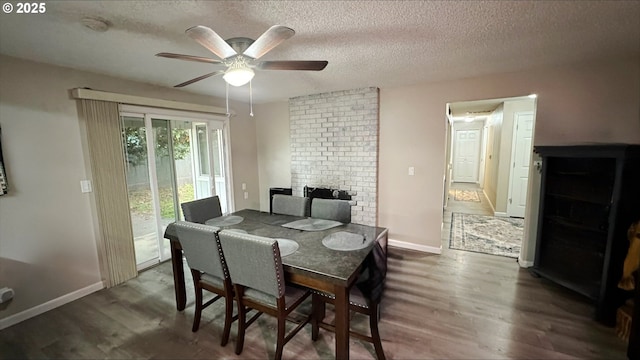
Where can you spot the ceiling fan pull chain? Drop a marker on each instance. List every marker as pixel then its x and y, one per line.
pixel 250 99
pixel 228 114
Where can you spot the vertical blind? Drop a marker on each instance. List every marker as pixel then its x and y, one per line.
pixel 104 140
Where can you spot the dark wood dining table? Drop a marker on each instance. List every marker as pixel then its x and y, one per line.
pixel 312 265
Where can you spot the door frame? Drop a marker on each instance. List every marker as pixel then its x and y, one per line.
pixel 211 122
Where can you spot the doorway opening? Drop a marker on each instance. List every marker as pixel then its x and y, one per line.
pixel 171 157
pixel 488 157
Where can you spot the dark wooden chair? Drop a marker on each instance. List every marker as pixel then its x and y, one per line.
pixel 364 298
pixel 257 275
pixel 202 250
pixel 201 210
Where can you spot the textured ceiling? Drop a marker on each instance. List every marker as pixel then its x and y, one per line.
pixel 367 43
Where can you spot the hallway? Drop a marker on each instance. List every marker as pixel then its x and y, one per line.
pixel 458 206
pixel 468 198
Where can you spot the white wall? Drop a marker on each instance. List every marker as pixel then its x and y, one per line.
pixel 48 251
pixel 492 155
pixel 506 141
pixel 274 155
pixel 579 103
pixel 595 102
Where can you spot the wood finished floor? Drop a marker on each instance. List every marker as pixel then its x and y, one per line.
pixel 457 305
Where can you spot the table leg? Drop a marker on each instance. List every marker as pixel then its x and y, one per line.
pixel 178 277
pixel 342 322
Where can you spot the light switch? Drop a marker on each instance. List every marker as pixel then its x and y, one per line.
pixel 412 171
pixel 246 195
pixel 244 186
pixel 85 186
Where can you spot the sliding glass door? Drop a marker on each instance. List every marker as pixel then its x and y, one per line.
pixel 171 159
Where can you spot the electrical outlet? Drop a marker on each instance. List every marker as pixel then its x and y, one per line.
pixel 85 186
pixel 246 195
pixel 412 171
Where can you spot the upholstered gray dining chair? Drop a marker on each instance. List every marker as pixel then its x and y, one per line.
pixel 364 298
pixel 202 250
pixel 330 209
pixel 291 205
pixel 257 275
pixel 201 210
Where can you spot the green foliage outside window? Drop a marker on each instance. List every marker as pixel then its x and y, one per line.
pixel 136 144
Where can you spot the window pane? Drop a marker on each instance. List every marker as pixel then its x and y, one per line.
pixel 141 207
pixel 216 144
pixel 202 149
pixel 164 172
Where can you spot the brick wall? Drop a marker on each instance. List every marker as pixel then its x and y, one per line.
pixel 334 144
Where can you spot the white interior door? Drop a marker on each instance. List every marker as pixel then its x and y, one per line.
pixel 520 159
pixel 466 155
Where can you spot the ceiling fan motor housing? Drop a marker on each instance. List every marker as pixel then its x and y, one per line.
pixel 240 44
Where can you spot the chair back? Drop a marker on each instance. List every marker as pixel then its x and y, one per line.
pixel 201 248
pixel 201 210
pixel 253 261
pixel 329 209
pixel 371 281
pixel 291 205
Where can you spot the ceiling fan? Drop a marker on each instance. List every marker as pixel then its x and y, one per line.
pixel 239 54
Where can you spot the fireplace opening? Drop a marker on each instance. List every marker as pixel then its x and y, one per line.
pixel 326 193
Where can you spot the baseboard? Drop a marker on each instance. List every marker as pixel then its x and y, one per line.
pixel 500 214
pixel 49 305
pixel 525 264
pixel 416 247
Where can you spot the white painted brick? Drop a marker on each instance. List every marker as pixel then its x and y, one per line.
pixel 334 140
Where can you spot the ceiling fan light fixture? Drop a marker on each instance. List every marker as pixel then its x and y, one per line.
pixel 238 76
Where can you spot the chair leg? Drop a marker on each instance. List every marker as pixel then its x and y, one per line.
pixel 318 310
pixel 282 320
pixel 228 318
pixel 375 335
pixel 198 311
pixel 241 320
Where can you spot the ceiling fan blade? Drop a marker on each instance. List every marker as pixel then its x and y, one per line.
pixel 189 58
pixel 199 78
pixel 212 41
pixel 292 65
pixel 268 40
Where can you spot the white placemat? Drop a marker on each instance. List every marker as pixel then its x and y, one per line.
pixel 287 246
pixel 345 241
pixel 311 224
pixel 227 220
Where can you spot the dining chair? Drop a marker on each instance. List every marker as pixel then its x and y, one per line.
pixel 256 271
pixel 201 210
pixel 291 205
pixel 331 209
pixel 364 298
pixel 201 248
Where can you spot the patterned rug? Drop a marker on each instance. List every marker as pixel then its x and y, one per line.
pixel 464 195
pixel 486 234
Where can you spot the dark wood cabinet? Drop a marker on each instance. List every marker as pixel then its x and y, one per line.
pixel 633 350
pixel 590 195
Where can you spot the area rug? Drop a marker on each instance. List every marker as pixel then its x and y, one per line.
pixel 486 234
pixel 464 195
